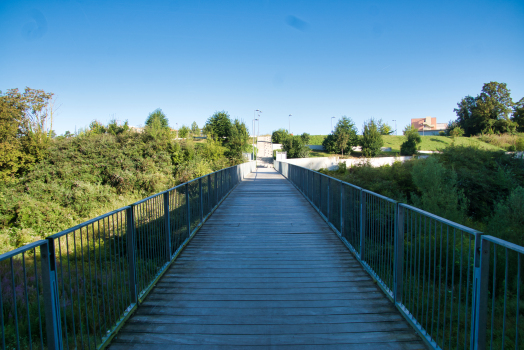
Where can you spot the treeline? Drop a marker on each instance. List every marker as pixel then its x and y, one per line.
pixel 50 183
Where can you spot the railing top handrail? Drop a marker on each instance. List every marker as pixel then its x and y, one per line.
pixel 442 220
pixel 21 250
pixel 380 196
pixel 505 244
pixel 433 216
pixel 333 178
pixel 85 223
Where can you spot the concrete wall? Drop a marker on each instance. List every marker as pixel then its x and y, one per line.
pixel 331 163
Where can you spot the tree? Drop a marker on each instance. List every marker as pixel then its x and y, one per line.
pixel 183 132
pixel 218 126
pixel 344 137
pixel 194 129
pixel 488 112
pixel 410 146
pixel 157 118
pixel 238 139
pixel 518 115
pixel 384 128
pixel 371 140
pixel 279 136
pixel 296 146
pixel 25 130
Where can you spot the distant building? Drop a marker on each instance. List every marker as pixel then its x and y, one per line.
pixel 428 125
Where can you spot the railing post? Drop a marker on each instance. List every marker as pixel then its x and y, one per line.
pixel 328 187
pixel 131 253
pixel 216 188
pixel 188 211
pixel 209 193
pixel 201 200
pixel 480 294
pixel 342 207
pixel 362 225
pixel 320 192
pixel 50 294
pixel 399 252
pixel 167 225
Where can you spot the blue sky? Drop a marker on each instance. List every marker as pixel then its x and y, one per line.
pixel 393 60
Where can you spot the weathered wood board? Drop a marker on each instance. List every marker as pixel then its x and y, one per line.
pixel 266 272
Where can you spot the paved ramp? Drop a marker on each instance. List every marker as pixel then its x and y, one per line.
pixel 266 272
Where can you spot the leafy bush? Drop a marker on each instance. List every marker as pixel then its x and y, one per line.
pixel 410 146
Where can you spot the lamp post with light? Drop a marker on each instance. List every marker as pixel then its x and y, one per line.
pixel 332 124
pixel 290 123
pixel 254 112
pixel 395 127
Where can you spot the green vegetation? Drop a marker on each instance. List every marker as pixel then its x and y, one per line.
pixel 490 111
pixel 478 181
pixel 294 145
pixel 371 140
pixel 343 139
pixel 410 146
pixel 50 184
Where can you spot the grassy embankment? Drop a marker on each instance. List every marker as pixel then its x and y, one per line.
pixel 429 143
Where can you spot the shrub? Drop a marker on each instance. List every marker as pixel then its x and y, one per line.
pixel 410 146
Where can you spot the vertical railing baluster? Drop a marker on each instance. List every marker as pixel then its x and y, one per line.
pixel 399 253
pixel 131 253
pixel 167 225
pixel 50 295
pixel 480 294
pixel 209 206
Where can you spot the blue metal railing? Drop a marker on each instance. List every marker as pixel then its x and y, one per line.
pixel 77 289
pixel 455 295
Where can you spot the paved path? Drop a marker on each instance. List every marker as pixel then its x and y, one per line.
pixel 266 272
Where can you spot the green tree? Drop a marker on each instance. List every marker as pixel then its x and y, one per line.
pixel 488 112
pixel 384 128
pixel 218 126
pixel 157 118
pixel 25 130
pixel 410 146
pixel 518 115
pixel 344 137
pixel 238 140
pixel 296 146
pixel 279 135
pixel 183 132
pixel 371 140
pixel 194 129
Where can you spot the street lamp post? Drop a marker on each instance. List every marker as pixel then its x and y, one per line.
pixel 257 120
pixel 290 123
pixel 254 112
pixel 395 127
pixel 332 124
pixel 176 130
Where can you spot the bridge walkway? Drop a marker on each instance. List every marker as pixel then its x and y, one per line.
pixel 266 272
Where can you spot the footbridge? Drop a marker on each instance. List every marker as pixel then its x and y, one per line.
pixel 263 258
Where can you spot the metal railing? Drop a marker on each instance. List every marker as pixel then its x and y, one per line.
pixel 432 269
pixel 76 290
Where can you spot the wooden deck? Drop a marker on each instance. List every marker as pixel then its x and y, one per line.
pixel 266 272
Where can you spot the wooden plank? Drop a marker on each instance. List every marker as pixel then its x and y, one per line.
pixel 266 272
